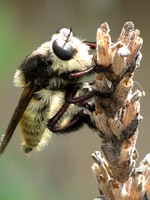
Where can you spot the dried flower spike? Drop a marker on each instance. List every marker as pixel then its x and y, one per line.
pixel 117 116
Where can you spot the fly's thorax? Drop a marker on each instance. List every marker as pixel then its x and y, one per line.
pixel 33 67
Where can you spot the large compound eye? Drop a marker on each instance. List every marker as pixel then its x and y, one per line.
pixel 64 53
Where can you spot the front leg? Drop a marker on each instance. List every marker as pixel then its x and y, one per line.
pixel 81 73
pixel 92 45
pixel 94 69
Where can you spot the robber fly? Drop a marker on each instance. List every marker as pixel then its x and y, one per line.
pixel 51 77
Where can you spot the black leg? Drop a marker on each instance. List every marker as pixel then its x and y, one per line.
pixel 76 122
pixel 96 68
pixel 92 45
pixel 82 73
pixel 58 115
pixel 81 98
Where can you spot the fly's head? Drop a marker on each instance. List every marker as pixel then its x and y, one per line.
pixel 68 52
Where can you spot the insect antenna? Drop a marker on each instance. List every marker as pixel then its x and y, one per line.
pixel 67 37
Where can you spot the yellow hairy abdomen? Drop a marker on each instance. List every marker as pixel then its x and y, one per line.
pixel 33 124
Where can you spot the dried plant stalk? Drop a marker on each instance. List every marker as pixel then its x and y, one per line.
pixel 117 115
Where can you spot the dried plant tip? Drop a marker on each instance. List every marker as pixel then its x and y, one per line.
pixel 104 56
pixel 103 30
pixel 131 111
pixel 115 126
pixel 131 129
pixel 118 64
pixel 135 188
pixel 136 96
pixel 101 120
pixel 103 84
pixel 122 90
pixel 127 152
pixel 97 157
pixel 140 181
pixel 96 169
pixel 134 64
pixel 108 185
pixel 134 47
pixel 113 102
pixel 126 33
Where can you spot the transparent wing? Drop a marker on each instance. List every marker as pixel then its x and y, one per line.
pixel 22 105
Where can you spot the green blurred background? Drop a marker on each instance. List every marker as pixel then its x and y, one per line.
pixel 63 170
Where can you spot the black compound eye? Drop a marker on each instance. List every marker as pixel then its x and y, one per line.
pixel 62 52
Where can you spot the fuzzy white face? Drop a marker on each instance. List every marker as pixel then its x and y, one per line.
pixel 62 34
pixel 81 59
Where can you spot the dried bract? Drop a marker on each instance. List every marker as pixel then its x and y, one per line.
pixel 104 57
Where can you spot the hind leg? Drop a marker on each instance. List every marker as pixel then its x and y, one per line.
pixel 76 121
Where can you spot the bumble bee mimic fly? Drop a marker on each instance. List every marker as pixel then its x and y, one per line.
pixel 51 77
